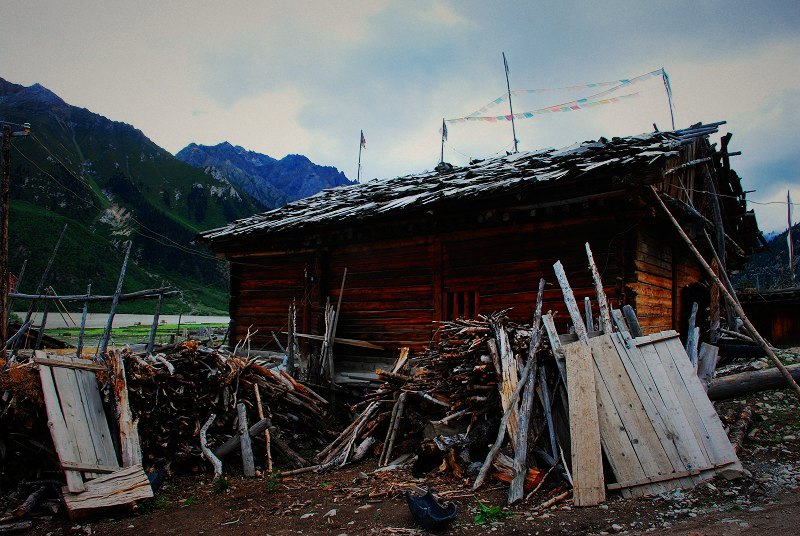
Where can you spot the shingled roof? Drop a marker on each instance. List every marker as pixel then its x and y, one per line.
pixel 483 178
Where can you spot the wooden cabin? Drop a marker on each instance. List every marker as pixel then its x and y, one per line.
pixel 464 241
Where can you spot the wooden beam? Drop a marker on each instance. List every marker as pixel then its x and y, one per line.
pixel 728 297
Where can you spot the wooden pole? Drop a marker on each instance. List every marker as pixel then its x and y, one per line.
pixel 115 301
pixel 4 272
pixel 248 465
pixel 40 334
pixel 290 339
pixel 728 297
pixel 10 298
pixel 79 350
pixel 520 465
pixel 360 146
pixel 260 409
pixel 154 327
pixel 510 107
pixel 501 433
pixel 746 383
pixel 602 301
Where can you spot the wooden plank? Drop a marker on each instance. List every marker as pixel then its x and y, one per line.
pixel 656 337
pixel 96 419
pixel 62 439
pixel 638 427
pixel 587 459
pixel 652 480
pixel 75 466
pixel 662 410
pixel 707 425
pixel 83 364
pixel 613 435
pixel 339 340
pixel 115 489
pixel 69 393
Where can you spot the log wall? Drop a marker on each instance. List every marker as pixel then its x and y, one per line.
pixel 396 289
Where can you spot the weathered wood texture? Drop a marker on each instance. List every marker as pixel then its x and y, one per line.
pixel 76 419
pixel 659 430
pixel 396 288
pixel 661 272
pixel 121 487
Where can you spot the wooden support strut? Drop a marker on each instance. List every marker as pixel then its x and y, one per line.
pixel 728 297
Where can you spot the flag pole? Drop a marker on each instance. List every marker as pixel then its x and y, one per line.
pixel 667 87
pixel 360 146
pixel 510 107
pixel 789 240
pixel 444 137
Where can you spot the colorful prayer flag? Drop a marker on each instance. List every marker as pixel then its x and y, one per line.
pixel 363 141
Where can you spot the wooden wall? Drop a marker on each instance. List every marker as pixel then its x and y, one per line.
pixel 395 289
pixel 261 290
pixel 663 272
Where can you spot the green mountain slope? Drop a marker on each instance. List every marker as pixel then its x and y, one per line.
pixel 109 183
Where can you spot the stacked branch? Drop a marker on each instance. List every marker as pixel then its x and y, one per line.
pixel 173 394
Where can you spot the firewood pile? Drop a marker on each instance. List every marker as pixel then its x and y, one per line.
pixel 445 405
pixel 173 395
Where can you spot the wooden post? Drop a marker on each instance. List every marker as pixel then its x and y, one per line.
pixel 154 327
pixel 714 309
pixel 79 349
pixel 290 339
pixel 602 302
pixel 266 430
pixel 337 313
pixel 130 446
pixel 520 466
pixel 728 296
pixel 248 465
pixel 587 311
pixel 707 364
pixel 10 300
pixel 691 336
pixel 115 301
pixel 40 334
pixel 633 321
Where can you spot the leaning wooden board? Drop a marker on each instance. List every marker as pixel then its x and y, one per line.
pixel 658 429
pixel 587 458
pixel 76 417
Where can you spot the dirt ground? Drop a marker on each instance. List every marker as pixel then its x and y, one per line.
pixel 355 500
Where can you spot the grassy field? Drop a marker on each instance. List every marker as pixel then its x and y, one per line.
pixel 134 334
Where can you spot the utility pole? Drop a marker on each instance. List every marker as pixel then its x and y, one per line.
pixel 4 187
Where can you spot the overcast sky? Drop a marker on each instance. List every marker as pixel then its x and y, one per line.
pixel 305 77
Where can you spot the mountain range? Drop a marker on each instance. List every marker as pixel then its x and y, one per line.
pixel 271 182
pixel 109 183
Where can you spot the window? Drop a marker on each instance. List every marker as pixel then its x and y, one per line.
pixel 461 304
